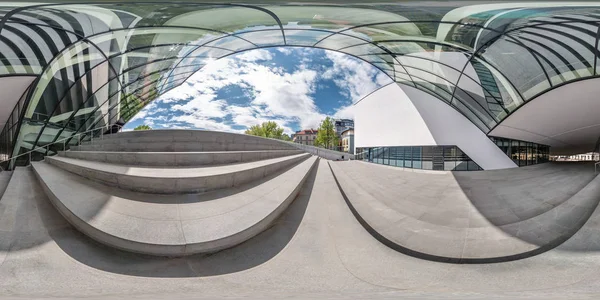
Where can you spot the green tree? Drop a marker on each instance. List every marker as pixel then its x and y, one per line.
pixel 326 136
pixel 286 137
pixel 268 129
pixel 143 127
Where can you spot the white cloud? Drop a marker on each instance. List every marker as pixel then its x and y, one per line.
pixel 354 77
pixel 285 50
pixel 255 55
pixel 275 95
pixel 345 112
pixel 142 114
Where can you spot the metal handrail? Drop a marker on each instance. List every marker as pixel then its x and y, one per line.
pixel 63 141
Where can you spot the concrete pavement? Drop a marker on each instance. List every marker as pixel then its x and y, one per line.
pixel 316 250
pixel 471 217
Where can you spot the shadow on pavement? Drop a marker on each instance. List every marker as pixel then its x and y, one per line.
pixel 249 254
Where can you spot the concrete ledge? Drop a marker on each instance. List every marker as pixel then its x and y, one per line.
pixel 178 146
pixel 170 225
pixel 447 227
pixel 182 141
pixel 180 159
pixel 175 180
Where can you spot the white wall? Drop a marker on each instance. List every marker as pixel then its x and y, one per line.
pixel 388 118
pixel 404 116
pixel 566 118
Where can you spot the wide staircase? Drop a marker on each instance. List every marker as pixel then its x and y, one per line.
pixel 174 192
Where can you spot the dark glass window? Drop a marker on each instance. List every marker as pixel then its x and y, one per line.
pixel 393 157
pixel 449 158
pixel 407 157
pixel 386 156
pixel 428 158
pixel 416 157
pixel 400 156
pixel 462 161
pixel 523 153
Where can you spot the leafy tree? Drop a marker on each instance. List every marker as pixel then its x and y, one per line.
pixel 286 137
pixel 143 127
pixel 326 136
pixel 268 129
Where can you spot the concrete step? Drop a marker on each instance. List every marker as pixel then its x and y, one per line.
pixel 453 225
pixel 175 180
pixel 181 135
pixel 171 225
pixel 181 159
pixel 181 140
pixel 163 146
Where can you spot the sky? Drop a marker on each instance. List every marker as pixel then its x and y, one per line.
pixel 295 87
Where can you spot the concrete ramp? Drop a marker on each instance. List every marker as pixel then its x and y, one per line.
pixel 470 217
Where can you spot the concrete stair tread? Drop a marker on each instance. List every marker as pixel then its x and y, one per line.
pixel 181 141
pixel 170 172
pixel 187 224
pixel 175 180
pixel 177 159
pixel 179 147
pixel 455 231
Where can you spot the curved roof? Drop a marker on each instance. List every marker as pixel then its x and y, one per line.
pixel 96 64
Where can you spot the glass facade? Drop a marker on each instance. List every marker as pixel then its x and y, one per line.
pixel 100 63
pixel 523 153
pixel 441 158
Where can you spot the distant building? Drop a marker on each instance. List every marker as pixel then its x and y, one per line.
pixel 342 125
pixel 590 156
pixel 305 137
pixel 347 141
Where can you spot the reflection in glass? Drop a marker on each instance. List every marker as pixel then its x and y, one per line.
pixel 449 158
pixel 523 153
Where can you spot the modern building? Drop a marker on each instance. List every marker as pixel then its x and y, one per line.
pixel 305 137
pixel 347 140
pixel 496 88
pixel 464 72
pixel 342 125
pixel 590 156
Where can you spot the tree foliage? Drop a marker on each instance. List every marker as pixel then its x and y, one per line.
pixel 268 129
pixel 143 127
pixel 326 136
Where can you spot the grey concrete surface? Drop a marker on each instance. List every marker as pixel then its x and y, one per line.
pixel 471 217
pixel 181 159
pixel 171 140
pixel 175 180
pixel 171 225
pixel 4 179
pixel 153 146
pixel 324 153
pixel 316 250
pixel 183 135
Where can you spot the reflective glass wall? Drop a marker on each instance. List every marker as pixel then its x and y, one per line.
pixel 9 132
pixel 441 158
pixel 523 153
pixel 103 62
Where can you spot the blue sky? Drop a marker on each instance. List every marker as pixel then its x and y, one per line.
pixel 295 87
